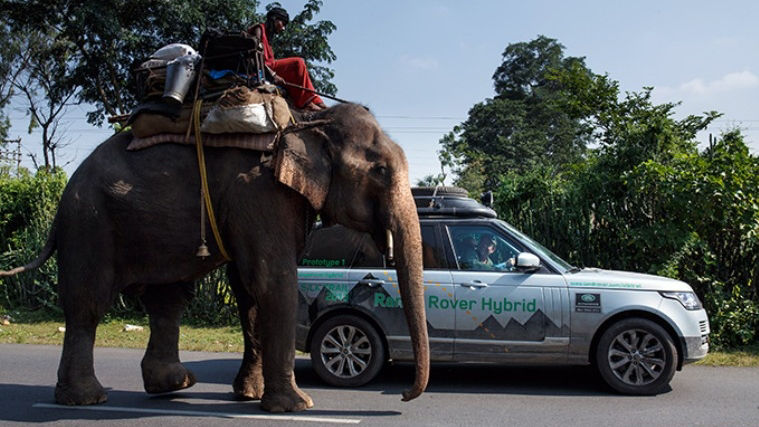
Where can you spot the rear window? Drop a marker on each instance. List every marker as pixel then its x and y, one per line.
pixel 341 247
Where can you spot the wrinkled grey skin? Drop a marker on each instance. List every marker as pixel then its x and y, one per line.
pixel 129 221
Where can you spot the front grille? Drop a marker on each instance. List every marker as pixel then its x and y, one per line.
pixel 702 326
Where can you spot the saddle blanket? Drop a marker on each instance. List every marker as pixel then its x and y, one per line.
pixel 248 141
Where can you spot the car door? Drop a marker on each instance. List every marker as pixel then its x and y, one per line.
pixel 370 272
pixel 323 280
pixel 504 313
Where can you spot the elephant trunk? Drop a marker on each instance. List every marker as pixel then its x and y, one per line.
pixel 407 239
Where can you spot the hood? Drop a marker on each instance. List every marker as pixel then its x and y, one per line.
pixel 611 279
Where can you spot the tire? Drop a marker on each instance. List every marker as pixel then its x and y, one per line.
pixel 439 191
pixel 636 356
pixel 347 351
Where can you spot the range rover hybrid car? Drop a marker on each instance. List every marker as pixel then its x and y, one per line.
pixel 492 294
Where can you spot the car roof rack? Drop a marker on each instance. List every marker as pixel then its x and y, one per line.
pixel 448 201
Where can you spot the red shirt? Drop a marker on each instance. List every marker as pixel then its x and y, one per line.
pixel 268 51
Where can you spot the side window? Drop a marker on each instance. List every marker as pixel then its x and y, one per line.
pixel 330 247
pixel 482 248
pixel 367 255
pixel 432 249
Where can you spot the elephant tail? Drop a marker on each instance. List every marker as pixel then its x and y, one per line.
pixel 46 252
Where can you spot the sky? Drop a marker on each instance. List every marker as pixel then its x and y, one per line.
pixel 421 65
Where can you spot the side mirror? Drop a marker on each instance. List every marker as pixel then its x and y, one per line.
pixel 527 262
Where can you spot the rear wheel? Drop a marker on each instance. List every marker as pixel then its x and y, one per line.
pixel 347 351
pixel 636 356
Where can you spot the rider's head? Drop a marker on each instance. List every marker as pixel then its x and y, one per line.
pixel 276 19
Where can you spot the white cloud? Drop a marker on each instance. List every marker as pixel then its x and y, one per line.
pixel 419 63
pixel 728 82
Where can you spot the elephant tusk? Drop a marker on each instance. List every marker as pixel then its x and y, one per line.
pixel 389 237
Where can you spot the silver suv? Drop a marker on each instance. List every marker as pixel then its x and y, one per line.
pixel 492 295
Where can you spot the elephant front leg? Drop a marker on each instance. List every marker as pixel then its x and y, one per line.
pixel 277 319
pixel 249 383
pixel 161 370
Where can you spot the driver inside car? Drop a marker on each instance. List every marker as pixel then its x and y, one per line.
pixel 480 257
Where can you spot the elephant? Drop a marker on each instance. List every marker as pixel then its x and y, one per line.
pixel 128 221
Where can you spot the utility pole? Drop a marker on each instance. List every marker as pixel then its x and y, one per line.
pixel 11 154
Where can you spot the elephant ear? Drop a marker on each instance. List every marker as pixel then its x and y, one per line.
pixel 303 165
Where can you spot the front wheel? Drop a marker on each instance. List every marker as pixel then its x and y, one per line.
pixel 347 351
pixel 636 356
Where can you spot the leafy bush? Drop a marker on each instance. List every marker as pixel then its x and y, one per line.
pixel 214 302
pixel 27 207
pixel 28 203
pixel 687 215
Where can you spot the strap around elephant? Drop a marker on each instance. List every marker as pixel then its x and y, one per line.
pixel 204 180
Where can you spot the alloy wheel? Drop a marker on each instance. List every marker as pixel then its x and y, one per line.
pixel 346 351
pixel 637 357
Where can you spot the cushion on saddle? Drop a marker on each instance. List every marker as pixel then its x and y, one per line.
pixel 239 110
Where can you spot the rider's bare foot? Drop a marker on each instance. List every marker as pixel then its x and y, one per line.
pixel 312 106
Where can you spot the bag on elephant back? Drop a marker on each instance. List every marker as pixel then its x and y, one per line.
pixel 244 110
pixel 147 124
pixel 239 110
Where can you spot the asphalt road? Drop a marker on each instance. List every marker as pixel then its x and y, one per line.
pixel 468 395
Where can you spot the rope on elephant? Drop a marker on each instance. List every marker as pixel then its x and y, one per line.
pixel 204 180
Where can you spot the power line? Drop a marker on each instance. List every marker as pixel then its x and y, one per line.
pixel 422 117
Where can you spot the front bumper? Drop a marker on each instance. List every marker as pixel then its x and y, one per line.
pixel 695 348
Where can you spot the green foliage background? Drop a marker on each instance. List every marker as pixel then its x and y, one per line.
pixel 694 217
pixel 100 43
pixel 641 197
pixel 27 206
pixel 28 203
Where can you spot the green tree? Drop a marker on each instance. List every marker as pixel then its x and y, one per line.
pixel 13 61
pixel 525 125
pixel 645 199
pixel 44 85
pixel 110 38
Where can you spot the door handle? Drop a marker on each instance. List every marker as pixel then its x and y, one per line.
pixel 372 283
pixel 474 284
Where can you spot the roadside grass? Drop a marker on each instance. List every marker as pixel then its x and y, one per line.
pixel 747 356
pixel 42 328
pixel 37 328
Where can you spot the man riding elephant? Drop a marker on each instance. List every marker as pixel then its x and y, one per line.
pixel 286 70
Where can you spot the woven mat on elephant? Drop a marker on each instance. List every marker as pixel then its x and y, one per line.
pixel 248 141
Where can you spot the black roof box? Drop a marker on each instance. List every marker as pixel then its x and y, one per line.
pixel 448 201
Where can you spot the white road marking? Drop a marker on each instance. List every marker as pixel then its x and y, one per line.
pixel 202 413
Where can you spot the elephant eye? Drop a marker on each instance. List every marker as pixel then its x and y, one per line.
pixel 380 170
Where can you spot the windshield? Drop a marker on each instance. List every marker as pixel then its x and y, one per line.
pixel 542 250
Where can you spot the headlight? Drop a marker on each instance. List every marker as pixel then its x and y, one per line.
pixel 689 300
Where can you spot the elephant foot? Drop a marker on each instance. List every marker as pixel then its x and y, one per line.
pixel 249 387
pixel 286 401
pixel 87 391
pixel 165 377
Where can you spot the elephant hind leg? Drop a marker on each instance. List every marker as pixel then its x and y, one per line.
pixel 77 384
pixel 83 308
pixel 161 370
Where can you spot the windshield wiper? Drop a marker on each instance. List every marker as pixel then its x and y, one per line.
pixel 574 270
